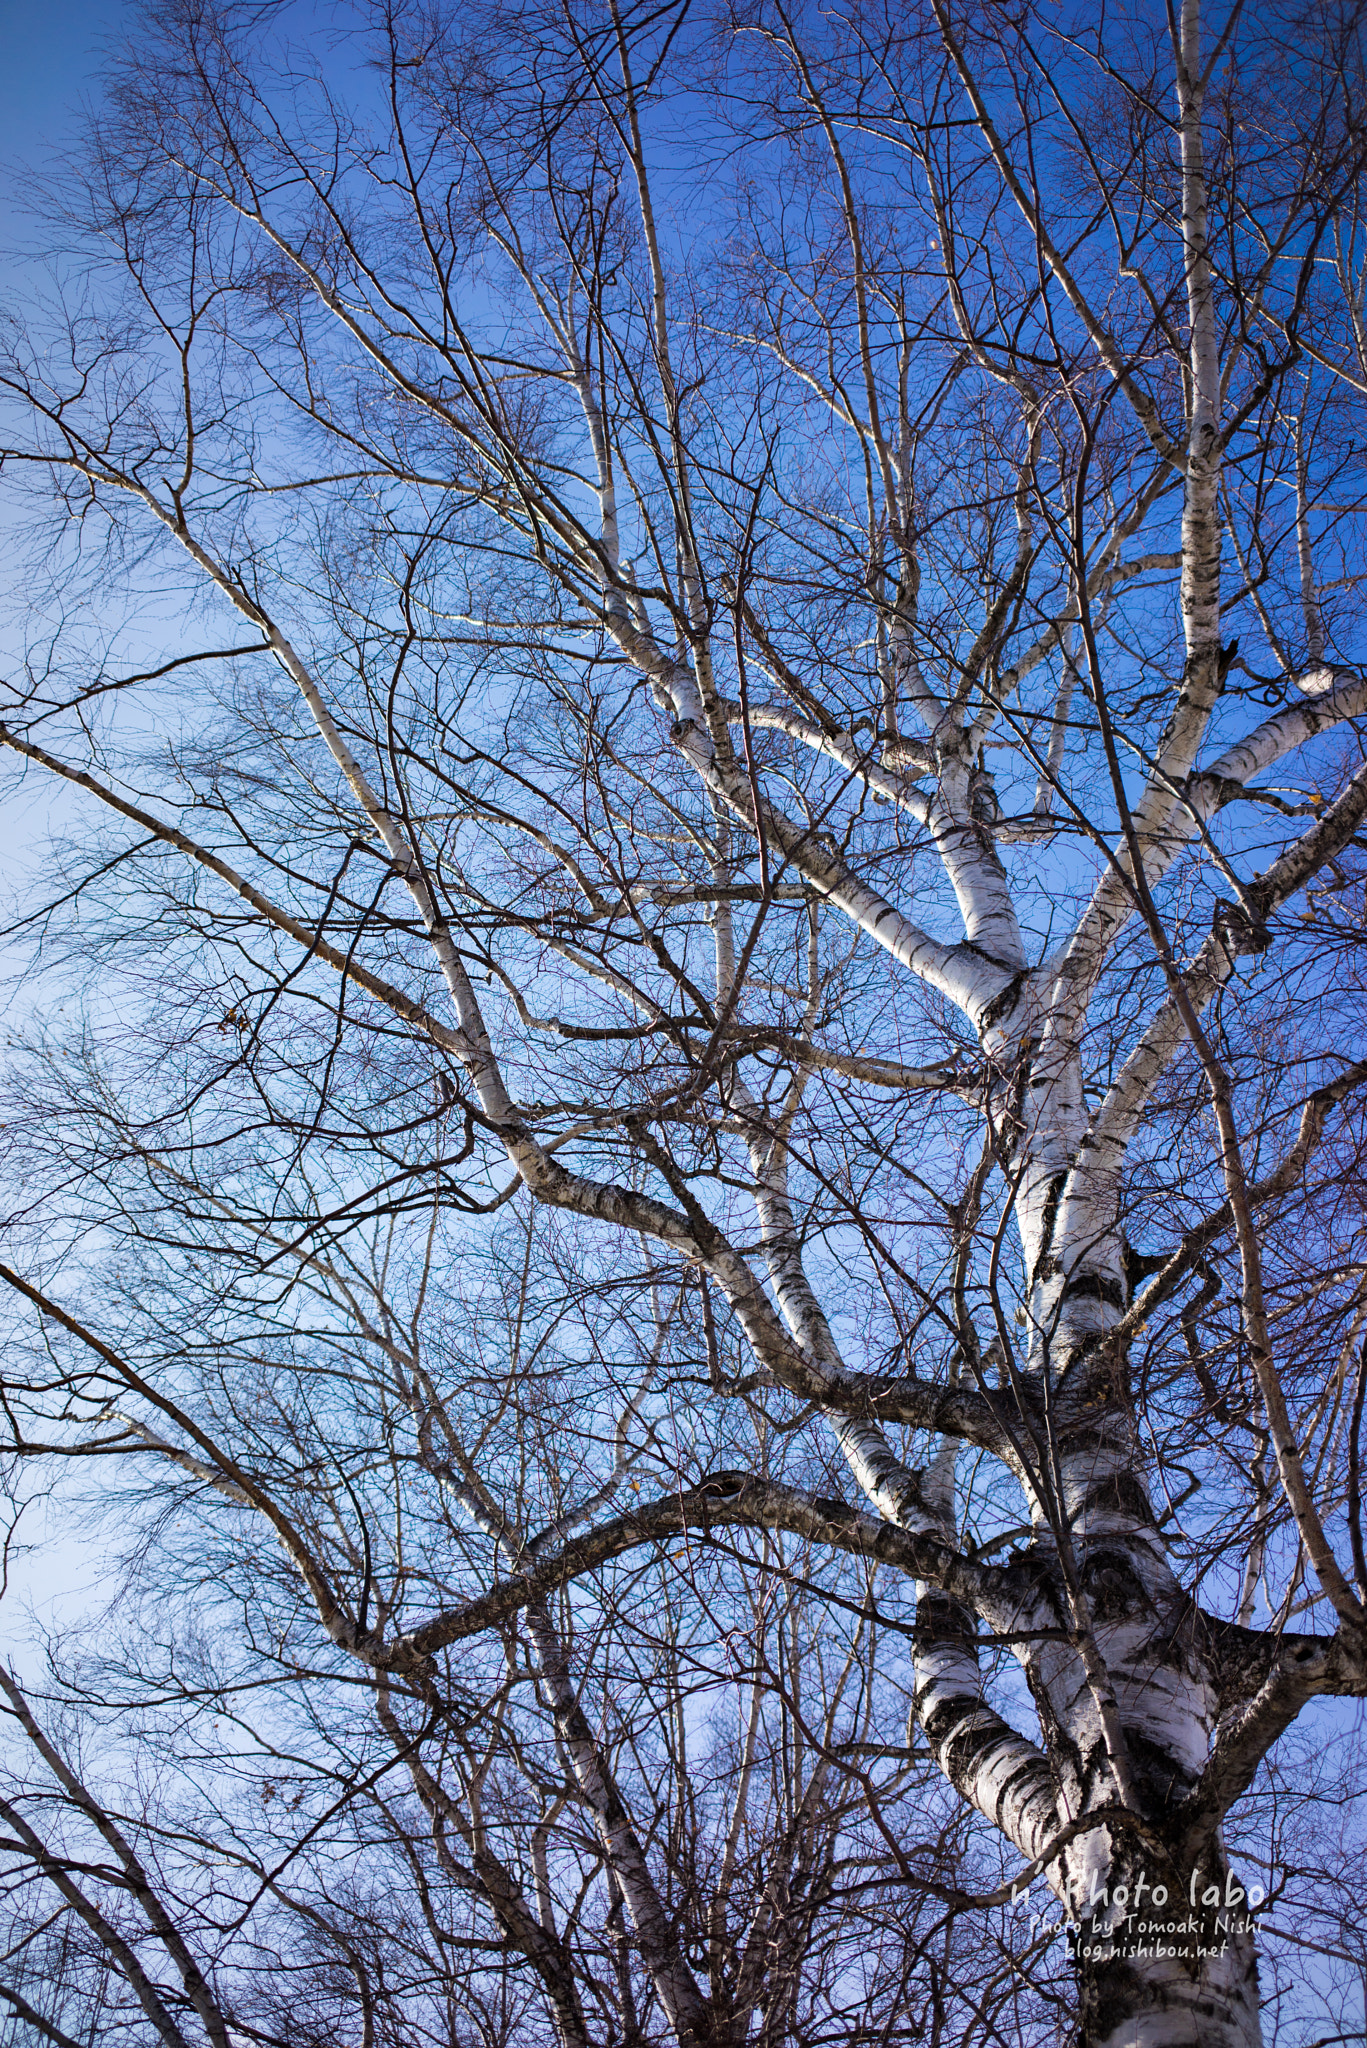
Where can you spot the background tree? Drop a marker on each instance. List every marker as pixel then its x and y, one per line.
pixel 708 665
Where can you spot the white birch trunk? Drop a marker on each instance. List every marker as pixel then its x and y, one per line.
pixel 1090 1498
pixel 1157 2002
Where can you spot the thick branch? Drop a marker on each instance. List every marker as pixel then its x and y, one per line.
pixel 1003 1596
pixel 1292 1670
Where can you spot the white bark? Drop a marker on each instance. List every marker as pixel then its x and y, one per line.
pixel 1163 2006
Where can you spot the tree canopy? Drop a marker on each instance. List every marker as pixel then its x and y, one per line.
pixel 685 1179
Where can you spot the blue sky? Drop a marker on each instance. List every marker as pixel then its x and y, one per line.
pixel 49 52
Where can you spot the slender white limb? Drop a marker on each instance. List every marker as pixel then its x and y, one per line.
pixel 844 749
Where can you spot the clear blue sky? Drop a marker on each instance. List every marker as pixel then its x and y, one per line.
pixel 50 54
pixel 49 51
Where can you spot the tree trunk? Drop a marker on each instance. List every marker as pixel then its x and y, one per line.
pixel 1160 2001
pixel 1128 1708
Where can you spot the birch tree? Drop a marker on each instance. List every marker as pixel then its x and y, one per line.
pixel 736 636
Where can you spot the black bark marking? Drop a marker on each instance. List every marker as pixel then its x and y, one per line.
pixel 1119 1493
pixel 1002 1003
pixel 1094 1287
